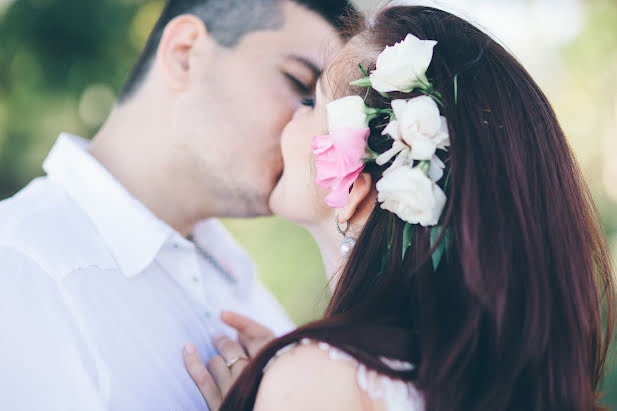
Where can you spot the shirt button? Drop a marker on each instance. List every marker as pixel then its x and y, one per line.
pixel 195 279
pixel 175 245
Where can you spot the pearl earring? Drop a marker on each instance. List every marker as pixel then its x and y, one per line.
pixel 347 243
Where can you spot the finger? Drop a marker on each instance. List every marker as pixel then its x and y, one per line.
pixel 232 351
pixel 245 325
pixel 201 377
pixel 228 348
pixel 252 335
pixel 220 373
pixel 237 368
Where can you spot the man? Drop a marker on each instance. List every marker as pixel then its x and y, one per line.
pixel 112 262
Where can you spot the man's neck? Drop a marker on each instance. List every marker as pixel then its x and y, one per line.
pixel 328 242
pixel 131 147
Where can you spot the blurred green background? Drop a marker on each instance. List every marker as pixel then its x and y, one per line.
pixel 62 62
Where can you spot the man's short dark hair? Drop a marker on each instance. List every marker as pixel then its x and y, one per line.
pixel 228 21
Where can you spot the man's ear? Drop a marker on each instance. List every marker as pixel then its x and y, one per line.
pixel 184 37
pixel 360 191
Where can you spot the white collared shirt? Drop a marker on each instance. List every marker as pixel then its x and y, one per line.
pixel 98 296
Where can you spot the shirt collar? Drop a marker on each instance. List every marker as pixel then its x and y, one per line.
pixel 133 234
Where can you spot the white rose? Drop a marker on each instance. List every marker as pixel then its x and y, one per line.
pixel 412 196
pixel 420 126
pixel 347 112
pixel 403 66
pixel 435 171
pixel 398 149
pixel 403 159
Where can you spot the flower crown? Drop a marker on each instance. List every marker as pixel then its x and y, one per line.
pixel 408 187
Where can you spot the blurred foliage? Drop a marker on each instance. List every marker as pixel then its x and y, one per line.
pixel 586 102
pixel 62 62
pixel 57 59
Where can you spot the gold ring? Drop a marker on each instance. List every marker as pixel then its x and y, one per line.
pixel 230 363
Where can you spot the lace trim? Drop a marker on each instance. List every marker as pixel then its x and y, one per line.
pixel 396 394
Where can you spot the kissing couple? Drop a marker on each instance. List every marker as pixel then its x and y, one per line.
pixel 468 265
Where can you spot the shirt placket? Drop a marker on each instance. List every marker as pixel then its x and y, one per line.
pixel 180 260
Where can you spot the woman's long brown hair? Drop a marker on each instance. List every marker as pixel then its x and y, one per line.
pixel 512 317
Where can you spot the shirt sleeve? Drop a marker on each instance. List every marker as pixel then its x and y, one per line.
pixel 45 362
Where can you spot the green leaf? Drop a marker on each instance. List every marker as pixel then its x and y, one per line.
pixel 372 113
pixel 438 253
pixel 435 231
pixel 390 235
pixel 445 186
pixel 456 89
pixel 435 93
pixel 373 153
pixel 448 240
pixel 424 83
pixel 407 237
pixel 437 99
pixel 363 71
pixel 363 82
pixel 424 166
pixel 386 257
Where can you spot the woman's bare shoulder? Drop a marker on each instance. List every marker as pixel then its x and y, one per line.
pixel 306 377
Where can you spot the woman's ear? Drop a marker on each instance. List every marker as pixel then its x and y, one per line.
pixel 360 191
pixel 180 43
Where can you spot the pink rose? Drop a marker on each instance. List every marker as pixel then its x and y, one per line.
pixel 339 161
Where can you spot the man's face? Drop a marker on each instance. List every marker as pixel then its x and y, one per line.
pixel 234 116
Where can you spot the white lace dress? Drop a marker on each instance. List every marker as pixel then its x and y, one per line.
pixel 397 395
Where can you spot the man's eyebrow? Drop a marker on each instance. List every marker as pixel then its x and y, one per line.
pixel 308 63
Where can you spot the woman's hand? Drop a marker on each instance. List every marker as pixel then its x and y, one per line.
pixel 215 379
pixel 252 335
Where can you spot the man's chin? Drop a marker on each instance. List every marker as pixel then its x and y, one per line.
pixel 246 205
pixel 259 208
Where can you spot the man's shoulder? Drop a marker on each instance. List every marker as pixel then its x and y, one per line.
pixel 43 223
pixel 41 210
pixel 39 195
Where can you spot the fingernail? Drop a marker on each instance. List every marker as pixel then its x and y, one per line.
pixel 190 349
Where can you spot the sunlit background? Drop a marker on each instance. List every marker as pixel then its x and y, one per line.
pixel 62 63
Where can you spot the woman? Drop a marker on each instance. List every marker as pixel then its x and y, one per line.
pixel 474 271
